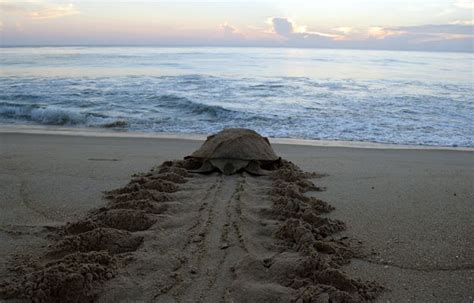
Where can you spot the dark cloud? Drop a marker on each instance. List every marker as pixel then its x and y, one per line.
pixel 441 37
pixel 463 29
pixel 282 26
pixel 300 38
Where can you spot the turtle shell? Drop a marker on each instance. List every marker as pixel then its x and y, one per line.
pixel 238 144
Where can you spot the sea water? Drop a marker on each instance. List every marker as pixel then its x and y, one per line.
pixel 423 98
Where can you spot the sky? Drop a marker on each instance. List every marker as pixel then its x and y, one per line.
pixel 431 25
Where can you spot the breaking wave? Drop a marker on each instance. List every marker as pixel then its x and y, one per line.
pixel 50 115
pixel 168 108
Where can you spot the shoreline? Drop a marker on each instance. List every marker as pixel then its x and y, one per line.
pixel 110 133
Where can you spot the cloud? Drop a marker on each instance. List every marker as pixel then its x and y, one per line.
pixel 444 37
pixel 299 34
pixel 440 37
pixel 231 33
pixel 423 33
pixel 7 7
pixel 54 12
pixel 229 29
pixel 346 30
pixel 38 10
pixel 467 4
pixel 462 22
pixel 380 33
pixel 457 36
pixel 282 26
pixel 438 29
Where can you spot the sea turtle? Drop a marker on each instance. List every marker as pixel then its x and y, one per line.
pixel 233 150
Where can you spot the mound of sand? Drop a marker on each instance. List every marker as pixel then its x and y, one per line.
pixel 69 279
pixel 169 176
pixel 317 277
pixel 141 194
pixel 126 219
pixel 85 253
pixel 168 167
pixel 145 205
pixel 111 240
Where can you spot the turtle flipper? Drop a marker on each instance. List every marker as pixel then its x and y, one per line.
pixel 229 166
pixel 205 168
pixel 254 168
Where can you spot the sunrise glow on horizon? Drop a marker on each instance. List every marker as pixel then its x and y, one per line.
pixel 399 25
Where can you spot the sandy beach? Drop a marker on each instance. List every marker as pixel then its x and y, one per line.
pixel 411 209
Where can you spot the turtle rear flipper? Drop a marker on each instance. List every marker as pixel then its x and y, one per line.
pixel 254 168
pixel 206 168
pixel 229 166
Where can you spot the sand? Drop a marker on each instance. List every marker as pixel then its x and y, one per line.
pixel 238 238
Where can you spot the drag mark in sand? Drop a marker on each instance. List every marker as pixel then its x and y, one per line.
pixel 209 272
pixel 225 249
pixel 236 216
pixel 172 236
pixel 26 201
pixel 194 242
pixel 203 206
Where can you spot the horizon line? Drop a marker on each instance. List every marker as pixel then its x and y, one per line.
pixel 235 46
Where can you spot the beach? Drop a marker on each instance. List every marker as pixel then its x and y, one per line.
pixel 410 208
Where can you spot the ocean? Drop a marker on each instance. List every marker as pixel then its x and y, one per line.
pixel 414 98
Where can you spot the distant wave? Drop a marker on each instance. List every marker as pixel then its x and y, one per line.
pixel 185 105
pixel 20 97
pixel 397 61
pixel 267 86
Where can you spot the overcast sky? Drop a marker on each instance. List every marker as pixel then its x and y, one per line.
pixel 445 25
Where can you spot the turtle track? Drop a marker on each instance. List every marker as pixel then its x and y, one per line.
pixel 216 245
pixel 260 239
pixel 168 236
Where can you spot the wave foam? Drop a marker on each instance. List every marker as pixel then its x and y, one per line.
pixel 42 115
pixel 49 115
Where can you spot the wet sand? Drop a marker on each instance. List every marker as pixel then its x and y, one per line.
pixel 412 208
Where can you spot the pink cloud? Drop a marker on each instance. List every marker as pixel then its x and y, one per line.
pixel 38 10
